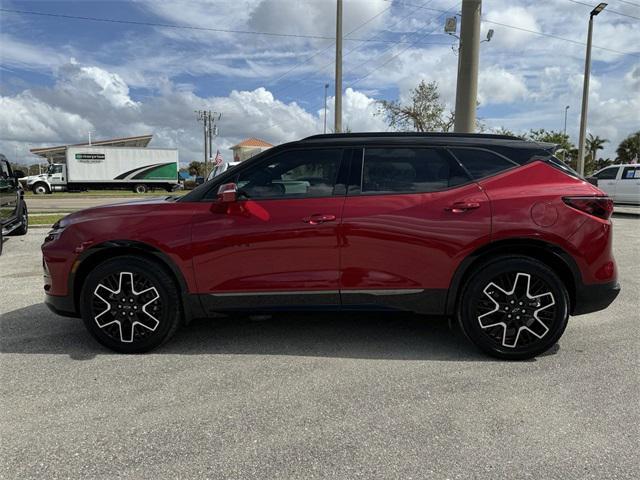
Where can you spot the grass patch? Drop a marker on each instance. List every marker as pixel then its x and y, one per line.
pixel 47 220
pixel 101 193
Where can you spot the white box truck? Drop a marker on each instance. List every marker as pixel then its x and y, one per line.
pixel 104 168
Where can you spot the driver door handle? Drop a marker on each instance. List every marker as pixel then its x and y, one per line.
pixel 461 207
pixel 319 218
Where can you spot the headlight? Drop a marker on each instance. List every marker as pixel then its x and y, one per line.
pixel 54 233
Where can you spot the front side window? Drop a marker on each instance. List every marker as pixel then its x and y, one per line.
pixel 293 174
pixel 608 174
pixel 631 173
pixel 407 170
pixel 482 163
pixel 4 170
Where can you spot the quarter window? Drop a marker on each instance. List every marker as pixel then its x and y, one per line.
pixel 482 163
pixel 405 170
pixel 293 174
pixel 608 173
pixel 4 170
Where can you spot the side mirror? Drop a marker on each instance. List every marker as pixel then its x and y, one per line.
pixel 18 174
pixel 228 193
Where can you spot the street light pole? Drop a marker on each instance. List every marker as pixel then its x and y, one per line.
pixel 585 89
pixel 338 81
pixel 565 120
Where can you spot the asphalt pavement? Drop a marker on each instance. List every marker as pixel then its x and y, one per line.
pixel 315 395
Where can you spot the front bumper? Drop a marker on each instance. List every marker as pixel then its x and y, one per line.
pixel 61 305
pixel 592 298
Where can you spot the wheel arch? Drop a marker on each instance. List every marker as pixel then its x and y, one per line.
pixel 95 255
pixel 550 254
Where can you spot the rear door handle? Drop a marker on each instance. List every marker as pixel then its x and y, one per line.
pixel 461 207
pixel 319 218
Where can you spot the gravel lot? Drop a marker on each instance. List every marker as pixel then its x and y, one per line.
pixel 315 396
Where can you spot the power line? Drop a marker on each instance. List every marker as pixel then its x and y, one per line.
pixel 537 32
pixel 608 10
pixel 401 51
pixel 630 3
pixel 329 46
pixel 187 27
pixel 320 69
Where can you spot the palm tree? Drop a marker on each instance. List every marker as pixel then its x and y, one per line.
pixel 593 144
pixel 629 149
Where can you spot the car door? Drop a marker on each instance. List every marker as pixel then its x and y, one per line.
pixel 628 186
pixel 607 180
pixel 8 194
pixel 277 246
pixel 411 215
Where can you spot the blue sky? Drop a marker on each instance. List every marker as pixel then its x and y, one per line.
pixel 61 77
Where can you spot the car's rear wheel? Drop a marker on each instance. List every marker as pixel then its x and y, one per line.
pixel 140 188
pixel 130 304
pixel 514 308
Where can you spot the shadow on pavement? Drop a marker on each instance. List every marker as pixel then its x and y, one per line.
pixel 390 336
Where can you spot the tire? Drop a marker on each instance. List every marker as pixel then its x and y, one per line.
pixel 1 239
pixel 145 295
pixel 24 221
pixel 514 308
pixel 140 188
pixel 40 188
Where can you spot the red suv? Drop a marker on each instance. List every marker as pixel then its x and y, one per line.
pixel 493 230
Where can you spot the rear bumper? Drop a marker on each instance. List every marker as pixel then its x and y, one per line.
pixel 61 305
pixel 592 298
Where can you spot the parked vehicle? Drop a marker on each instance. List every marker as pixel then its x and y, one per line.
pixel 91 167
pixel 620 182
pixel 14 218
pixel 220 169
pixel 492 230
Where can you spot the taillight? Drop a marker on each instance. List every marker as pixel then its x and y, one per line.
pixel 601 207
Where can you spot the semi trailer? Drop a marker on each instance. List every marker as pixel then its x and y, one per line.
pixel 109 168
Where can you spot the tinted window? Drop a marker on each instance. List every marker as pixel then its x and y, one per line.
pixel 297 173
pixel 4 170
pixel 389 170
pixel 608 173
pixel 631 173
pixel 481 163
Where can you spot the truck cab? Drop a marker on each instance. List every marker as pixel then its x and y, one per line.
pixel 53 179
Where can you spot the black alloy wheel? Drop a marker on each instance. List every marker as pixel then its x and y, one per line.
pixel 130 304
pixel 514 308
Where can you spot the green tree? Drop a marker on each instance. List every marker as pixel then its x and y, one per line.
pixel 567 151
pixel 593 144
pixel 422 114
pixel 196 168
pixel 629 149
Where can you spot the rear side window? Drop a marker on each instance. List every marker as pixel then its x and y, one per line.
pixel 631 173
pixel 608 173
pixel 481 163
pixel 408 170
pixel 4 170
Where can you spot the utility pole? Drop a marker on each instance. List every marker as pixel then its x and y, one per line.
pixel 210 141
pixel 326 87
pixel 203 117
pixel 338 82
pixel 467 84
pixel 585 89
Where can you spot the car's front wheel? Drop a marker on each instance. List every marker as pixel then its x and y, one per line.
pixel 514 308
pixel 24 221
pixel 130 304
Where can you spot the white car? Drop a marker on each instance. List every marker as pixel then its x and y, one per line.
pixel 620 182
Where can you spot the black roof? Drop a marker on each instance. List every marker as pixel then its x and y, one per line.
pixel 433 138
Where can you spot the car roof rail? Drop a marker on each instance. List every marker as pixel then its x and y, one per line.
pixel 410 134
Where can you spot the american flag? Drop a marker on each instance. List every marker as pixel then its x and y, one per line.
pixel 218 160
